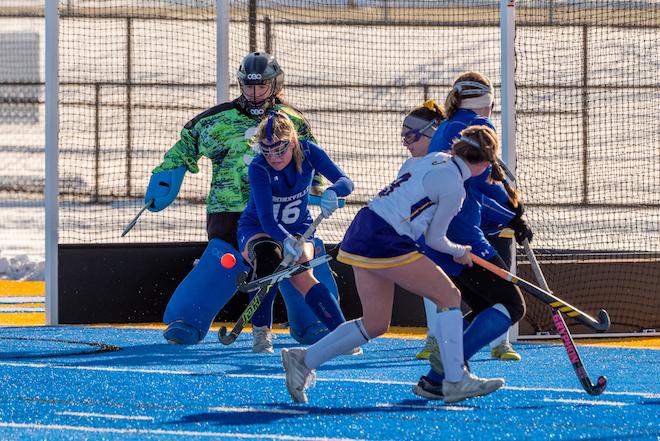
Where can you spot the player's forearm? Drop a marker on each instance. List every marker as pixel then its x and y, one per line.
pixel 183 152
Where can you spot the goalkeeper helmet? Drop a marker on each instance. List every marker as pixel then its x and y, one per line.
pixel 259 69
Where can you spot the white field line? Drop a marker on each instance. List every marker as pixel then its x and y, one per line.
pixel 258 410
pixel 179 433
pixel 22 299
pixel 281 377
pixel 20 309
pixel 590 402
pixel 422 407
pixel 346 380
pixel 98 368
pixel 581 391
pixel 107 415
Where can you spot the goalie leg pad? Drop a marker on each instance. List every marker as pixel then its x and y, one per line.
pixel 201 295
pixel 304 326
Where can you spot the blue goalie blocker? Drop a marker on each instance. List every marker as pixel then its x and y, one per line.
pixel 201 295
pixel 304 326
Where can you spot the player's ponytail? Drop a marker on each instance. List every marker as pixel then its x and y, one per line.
pixel 497 174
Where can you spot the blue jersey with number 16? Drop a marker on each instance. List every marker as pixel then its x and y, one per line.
pixel 282 196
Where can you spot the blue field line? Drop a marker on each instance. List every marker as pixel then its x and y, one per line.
pixel 108 383
pixel 12 300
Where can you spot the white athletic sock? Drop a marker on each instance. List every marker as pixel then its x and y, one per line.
pixel 431 310
pixel 345 337
pixel 504 337
pixel 449 334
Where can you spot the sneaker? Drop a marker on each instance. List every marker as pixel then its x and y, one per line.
pixel 262 340
pixel 427 388
pixel 504 351
pixel 298 376
pixel 469 386
pixel 430 347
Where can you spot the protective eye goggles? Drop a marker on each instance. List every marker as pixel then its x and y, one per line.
pixel 414 135
pixel 276 149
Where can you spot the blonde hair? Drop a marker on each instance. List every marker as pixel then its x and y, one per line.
pixel 282 128
pixel 453 100
pixel 488 147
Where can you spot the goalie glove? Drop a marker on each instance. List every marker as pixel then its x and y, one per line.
pixel 163 188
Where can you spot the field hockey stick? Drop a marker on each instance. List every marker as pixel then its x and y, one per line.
pixel 316 201
pixel 130 226
pixel 565 334
pixel 600 325
pixel 281 275
pixel 227 339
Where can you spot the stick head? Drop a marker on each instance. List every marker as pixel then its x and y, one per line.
pixel 599 388
pixel 604 321
pixel 226 339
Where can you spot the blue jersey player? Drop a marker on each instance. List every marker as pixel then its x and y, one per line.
pixel 496 303
pixel 491 207
pixel 280 178
pixel 223 134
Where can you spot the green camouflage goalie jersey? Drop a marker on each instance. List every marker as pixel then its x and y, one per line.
pixel 222 134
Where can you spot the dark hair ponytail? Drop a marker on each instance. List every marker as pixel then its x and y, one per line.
pixel 497 174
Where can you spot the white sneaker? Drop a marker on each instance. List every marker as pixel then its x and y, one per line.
pixel 298 376
pixel 262 340
pixel 469 386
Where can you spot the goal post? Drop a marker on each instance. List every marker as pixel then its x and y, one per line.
pixel 51 142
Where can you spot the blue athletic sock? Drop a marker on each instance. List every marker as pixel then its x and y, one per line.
pixel 263 316
pixel 435 377
pixel 486 326
pixel 325 306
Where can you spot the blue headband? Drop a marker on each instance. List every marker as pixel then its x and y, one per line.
pixel 269 126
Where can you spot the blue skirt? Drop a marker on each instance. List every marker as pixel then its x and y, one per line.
pixel 370 242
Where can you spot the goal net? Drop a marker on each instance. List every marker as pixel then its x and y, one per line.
pixel 133 72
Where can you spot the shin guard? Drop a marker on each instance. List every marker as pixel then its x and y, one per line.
pixel 305 327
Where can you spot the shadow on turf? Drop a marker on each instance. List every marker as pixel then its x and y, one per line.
pixel 265 414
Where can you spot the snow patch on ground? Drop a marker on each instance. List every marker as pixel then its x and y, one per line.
pixel 21 267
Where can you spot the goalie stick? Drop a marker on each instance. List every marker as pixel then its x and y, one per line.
pixel 564 333
pixel 600 325
pixel 227 339
pixel 132 223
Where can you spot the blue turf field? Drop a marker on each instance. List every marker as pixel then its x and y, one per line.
pixel 57 385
